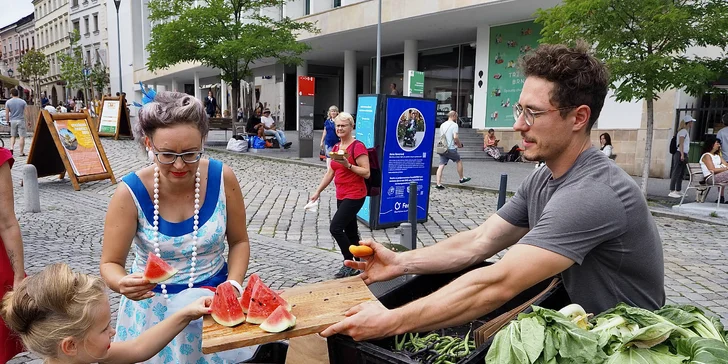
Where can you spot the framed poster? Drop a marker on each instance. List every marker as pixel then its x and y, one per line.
pixel 507 43
pixel 68 143
pixel 114 117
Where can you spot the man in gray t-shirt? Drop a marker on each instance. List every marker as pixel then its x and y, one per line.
pixel 580 217
pixel 596 216
pixel 15 114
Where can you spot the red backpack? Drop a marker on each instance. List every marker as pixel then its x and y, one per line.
pixel 374 182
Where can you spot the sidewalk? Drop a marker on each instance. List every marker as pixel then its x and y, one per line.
pixel 485 174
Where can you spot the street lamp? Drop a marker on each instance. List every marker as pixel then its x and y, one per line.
pixel 10 72
pixel 118 41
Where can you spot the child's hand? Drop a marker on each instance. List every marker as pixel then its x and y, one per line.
pixel 199 307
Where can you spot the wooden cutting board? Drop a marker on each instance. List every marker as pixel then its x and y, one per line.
pixel 316 307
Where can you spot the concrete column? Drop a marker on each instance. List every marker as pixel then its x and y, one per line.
pixel 480 92
pixel 175 85
pixel 367 79
pixel 350 82
pixel 410 63
pixel 223 96
pixel 301 70
pixel 197 86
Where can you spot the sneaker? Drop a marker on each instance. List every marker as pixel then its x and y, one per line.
pixel 674 194
pixel 343 272
pixel 440 187
pixel 464 179
pixel 287 145
pixel 353 272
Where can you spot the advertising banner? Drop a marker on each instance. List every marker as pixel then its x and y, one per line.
pixel 406 157
pixel 306 90
pixel 77 140
pixel 416 84
pixel 109 117
pixel 365 116
pixel 505 82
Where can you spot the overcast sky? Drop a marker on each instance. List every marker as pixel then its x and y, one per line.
pixel 11 14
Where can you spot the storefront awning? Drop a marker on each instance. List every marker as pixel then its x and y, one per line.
pixel 9 81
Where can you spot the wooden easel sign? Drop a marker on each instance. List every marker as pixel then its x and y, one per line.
pixel 114 118
pixel 68 143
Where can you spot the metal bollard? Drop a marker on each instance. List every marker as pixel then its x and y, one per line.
pixel 405 236
pixel 502 190
pixel 31 196
pixel 412 213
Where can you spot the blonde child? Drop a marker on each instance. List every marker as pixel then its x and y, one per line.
pixel 65 317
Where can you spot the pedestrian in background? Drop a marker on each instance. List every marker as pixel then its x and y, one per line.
pixel 15 115
pixel 348 175
pixel 329 137
pixel 680 158
pixel 606 144
pixel 450 130
pixel 490 146
pixel 723 136
pixel 270 128
pixel 12 270
pixel 210 104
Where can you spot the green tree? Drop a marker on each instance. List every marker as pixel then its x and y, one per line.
pixel 225 34
pixel 72 64
pixel 644 44
pixel 34 66
pixel 99 78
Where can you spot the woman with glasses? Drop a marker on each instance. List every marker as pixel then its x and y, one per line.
pixel 348 175
pixel 182 208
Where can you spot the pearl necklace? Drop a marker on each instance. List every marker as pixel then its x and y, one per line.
pixel 195 227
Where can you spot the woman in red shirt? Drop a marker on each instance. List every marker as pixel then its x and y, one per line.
pixel 11 253
pixel 348 175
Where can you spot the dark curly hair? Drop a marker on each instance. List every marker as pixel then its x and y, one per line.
pixel 579 78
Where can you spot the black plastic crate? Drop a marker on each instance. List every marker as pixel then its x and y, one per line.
pixel 344 350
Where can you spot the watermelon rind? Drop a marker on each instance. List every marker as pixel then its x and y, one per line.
pixel 263 302
pixel 248 292
pixel 279 320
pixel 225 308
pixel 157 270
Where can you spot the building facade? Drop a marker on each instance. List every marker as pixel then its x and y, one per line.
pixel 88 18
pixel 52 38
pixel 467 50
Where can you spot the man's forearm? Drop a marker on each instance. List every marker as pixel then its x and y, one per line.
pixel 450 255
pixel 465 299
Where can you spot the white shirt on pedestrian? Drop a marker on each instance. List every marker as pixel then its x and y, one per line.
pixel 686 143
pixel 267 121
pixel 450 128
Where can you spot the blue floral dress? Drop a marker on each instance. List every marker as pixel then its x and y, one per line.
pixel 135 317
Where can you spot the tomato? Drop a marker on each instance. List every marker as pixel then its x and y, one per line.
pixel 360 250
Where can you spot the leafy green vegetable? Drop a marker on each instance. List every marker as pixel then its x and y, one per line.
pixel 693 318
pixel 643 356
pixel 702 351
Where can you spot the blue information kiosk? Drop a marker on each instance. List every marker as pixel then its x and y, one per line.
pixel 403 131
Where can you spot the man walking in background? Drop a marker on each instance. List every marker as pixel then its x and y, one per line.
pixel 450 130
pixel 15 114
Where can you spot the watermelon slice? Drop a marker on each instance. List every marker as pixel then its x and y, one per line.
pixel 263 302
pixel 158 270
pixel 226 309
pixel 279 320
pixel 245 299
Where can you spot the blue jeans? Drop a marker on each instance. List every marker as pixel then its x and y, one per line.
pixel 280 136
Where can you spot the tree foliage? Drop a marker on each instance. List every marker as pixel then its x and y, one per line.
pixel 72 64
pixel 99 78
pixel 645 44
pixel 34 66
pixel 225 34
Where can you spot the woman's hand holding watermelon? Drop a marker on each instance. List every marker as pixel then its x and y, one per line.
pixel 197 308
pixel 135 287
pixel 383 265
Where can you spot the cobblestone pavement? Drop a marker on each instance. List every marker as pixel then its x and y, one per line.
pixel 291 247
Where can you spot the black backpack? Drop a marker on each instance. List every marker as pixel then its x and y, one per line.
pixel 673 144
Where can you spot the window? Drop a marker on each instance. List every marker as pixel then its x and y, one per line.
pixel 86 27
pixel 76 27
pixel 74 3
pixel 88 57
pixel 307 7
pixel 337 3
pixel 96 22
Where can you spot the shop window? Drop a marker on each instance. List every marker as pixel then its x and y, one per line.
pixel 337 3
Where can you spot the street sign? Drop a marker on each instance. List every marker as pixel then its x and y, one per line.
pixel 87 72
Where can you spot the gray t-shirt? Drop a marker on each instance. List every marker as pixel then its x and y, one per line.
pixel 596 216
pixel 17 108
pixel 723 136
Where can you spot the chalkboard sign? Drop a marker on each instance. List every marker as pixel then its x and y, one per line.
pixel 68 143
pixel 114 118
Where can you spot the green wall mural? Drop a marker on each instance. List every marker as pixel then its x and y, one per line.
pixel 507 43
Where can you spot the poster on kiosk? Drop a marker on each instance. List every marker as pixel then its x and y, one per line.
pixel 403 131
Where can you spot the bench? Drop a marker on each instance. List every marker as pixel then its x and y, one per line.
pixel 698 183
pixel 221 124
